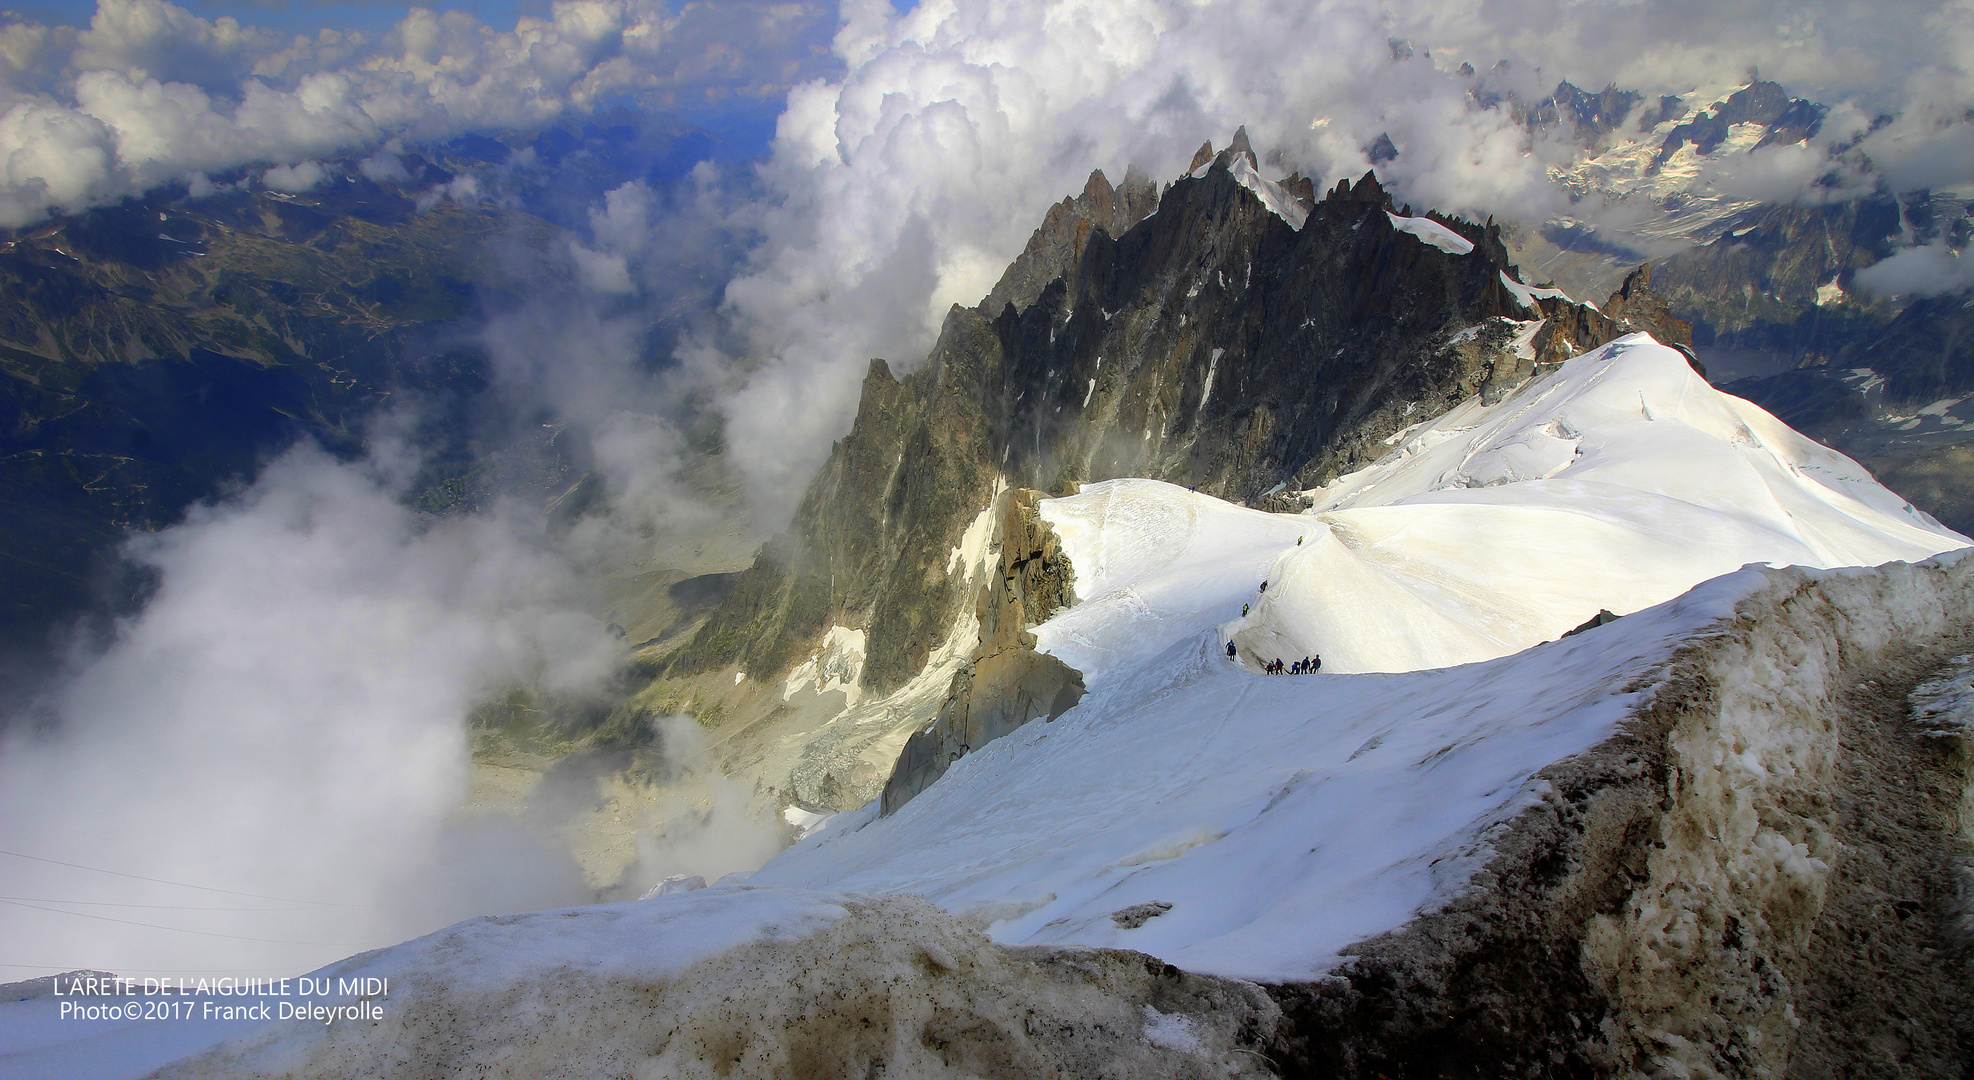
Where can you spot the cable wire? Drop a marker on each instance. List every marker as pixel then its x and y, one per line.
pixel 183 930
pixel 179 884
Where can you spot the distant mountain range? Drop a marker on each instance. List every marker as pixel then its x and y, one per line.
pixel 151 351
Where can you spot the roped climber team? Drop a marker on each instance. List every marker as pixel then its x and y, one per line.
pixel 1305 666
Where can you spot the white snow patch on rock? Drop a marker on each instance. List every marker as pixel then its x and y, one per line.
pixel 1527 295
pixel 837 664
pixel 1272 195
pixel 1432 232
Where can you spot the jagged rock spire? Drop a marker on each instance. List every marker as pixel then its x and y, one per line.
pixel 1240 145
pixel 1201 156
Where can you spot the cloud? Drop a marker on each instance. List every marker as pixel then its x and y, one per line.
pixel 905 185
pixel 703 825
pixel 1927 270
pixel 384 166
pixel 151 93
pixel 306 176
pixel 306 664
pixel 286 717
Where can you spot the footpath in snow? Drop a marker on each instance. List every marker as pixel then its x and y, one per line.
pixel 1270 821
pixel 1235 823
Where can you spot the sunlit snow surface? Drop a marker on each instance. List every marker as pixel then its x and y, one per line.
pixel 1286 817
pixel 1617 482
pixel 1432 232
pixel 1282 818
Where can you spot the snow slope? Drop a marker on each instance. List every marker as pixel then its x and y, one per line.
pixel 1230 822
pixel 1617 482
pixel 1284 818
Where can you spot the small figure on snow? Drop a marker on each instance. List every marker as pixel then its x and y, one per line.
pixel 1243 611
pixel 1230 650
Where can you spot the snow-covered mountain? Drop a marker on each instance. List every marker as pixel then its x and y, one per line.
pixel 1247 339
pixel 1615 483
pixel 1284 818
pixel 1442 794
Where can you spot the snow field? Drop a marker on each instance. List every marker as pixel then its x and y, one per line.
pixel 1432 232
pixel 1236 824
pixel 1284 818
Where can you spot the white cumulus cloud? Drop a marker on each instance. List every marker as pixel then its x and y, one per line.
pixel 151 92
pixel 908 183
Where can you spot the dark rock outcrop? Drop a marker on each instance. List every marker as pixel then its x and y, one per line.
pixel 1636 307
pixel 1006 682
pixel 1057 246
pixel 870 543
pixel 1211 344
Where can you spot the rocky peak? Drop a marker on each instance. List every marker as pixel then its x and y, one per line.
pixel 1240 145
pixel 1055 248
pixel 1592 116
pixel 1636 307
pixel 1366 190
pixel 1787 119
pixel 1211 344
pixel 1203 155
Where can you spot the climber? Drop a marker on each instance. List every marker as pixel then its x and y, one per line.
pixel 1230 650
pixel 1264 586
pixel 1315 663
pixel 1243 611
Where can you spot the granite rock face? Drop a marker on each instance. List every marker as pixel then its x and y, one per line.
pixel 1211 344
pixel 1057 246
pixel 1006 682
pixel 869 546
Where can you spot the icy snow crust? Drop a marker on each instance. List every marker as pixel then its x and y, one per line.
pixel 642 942
pixel 786 984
